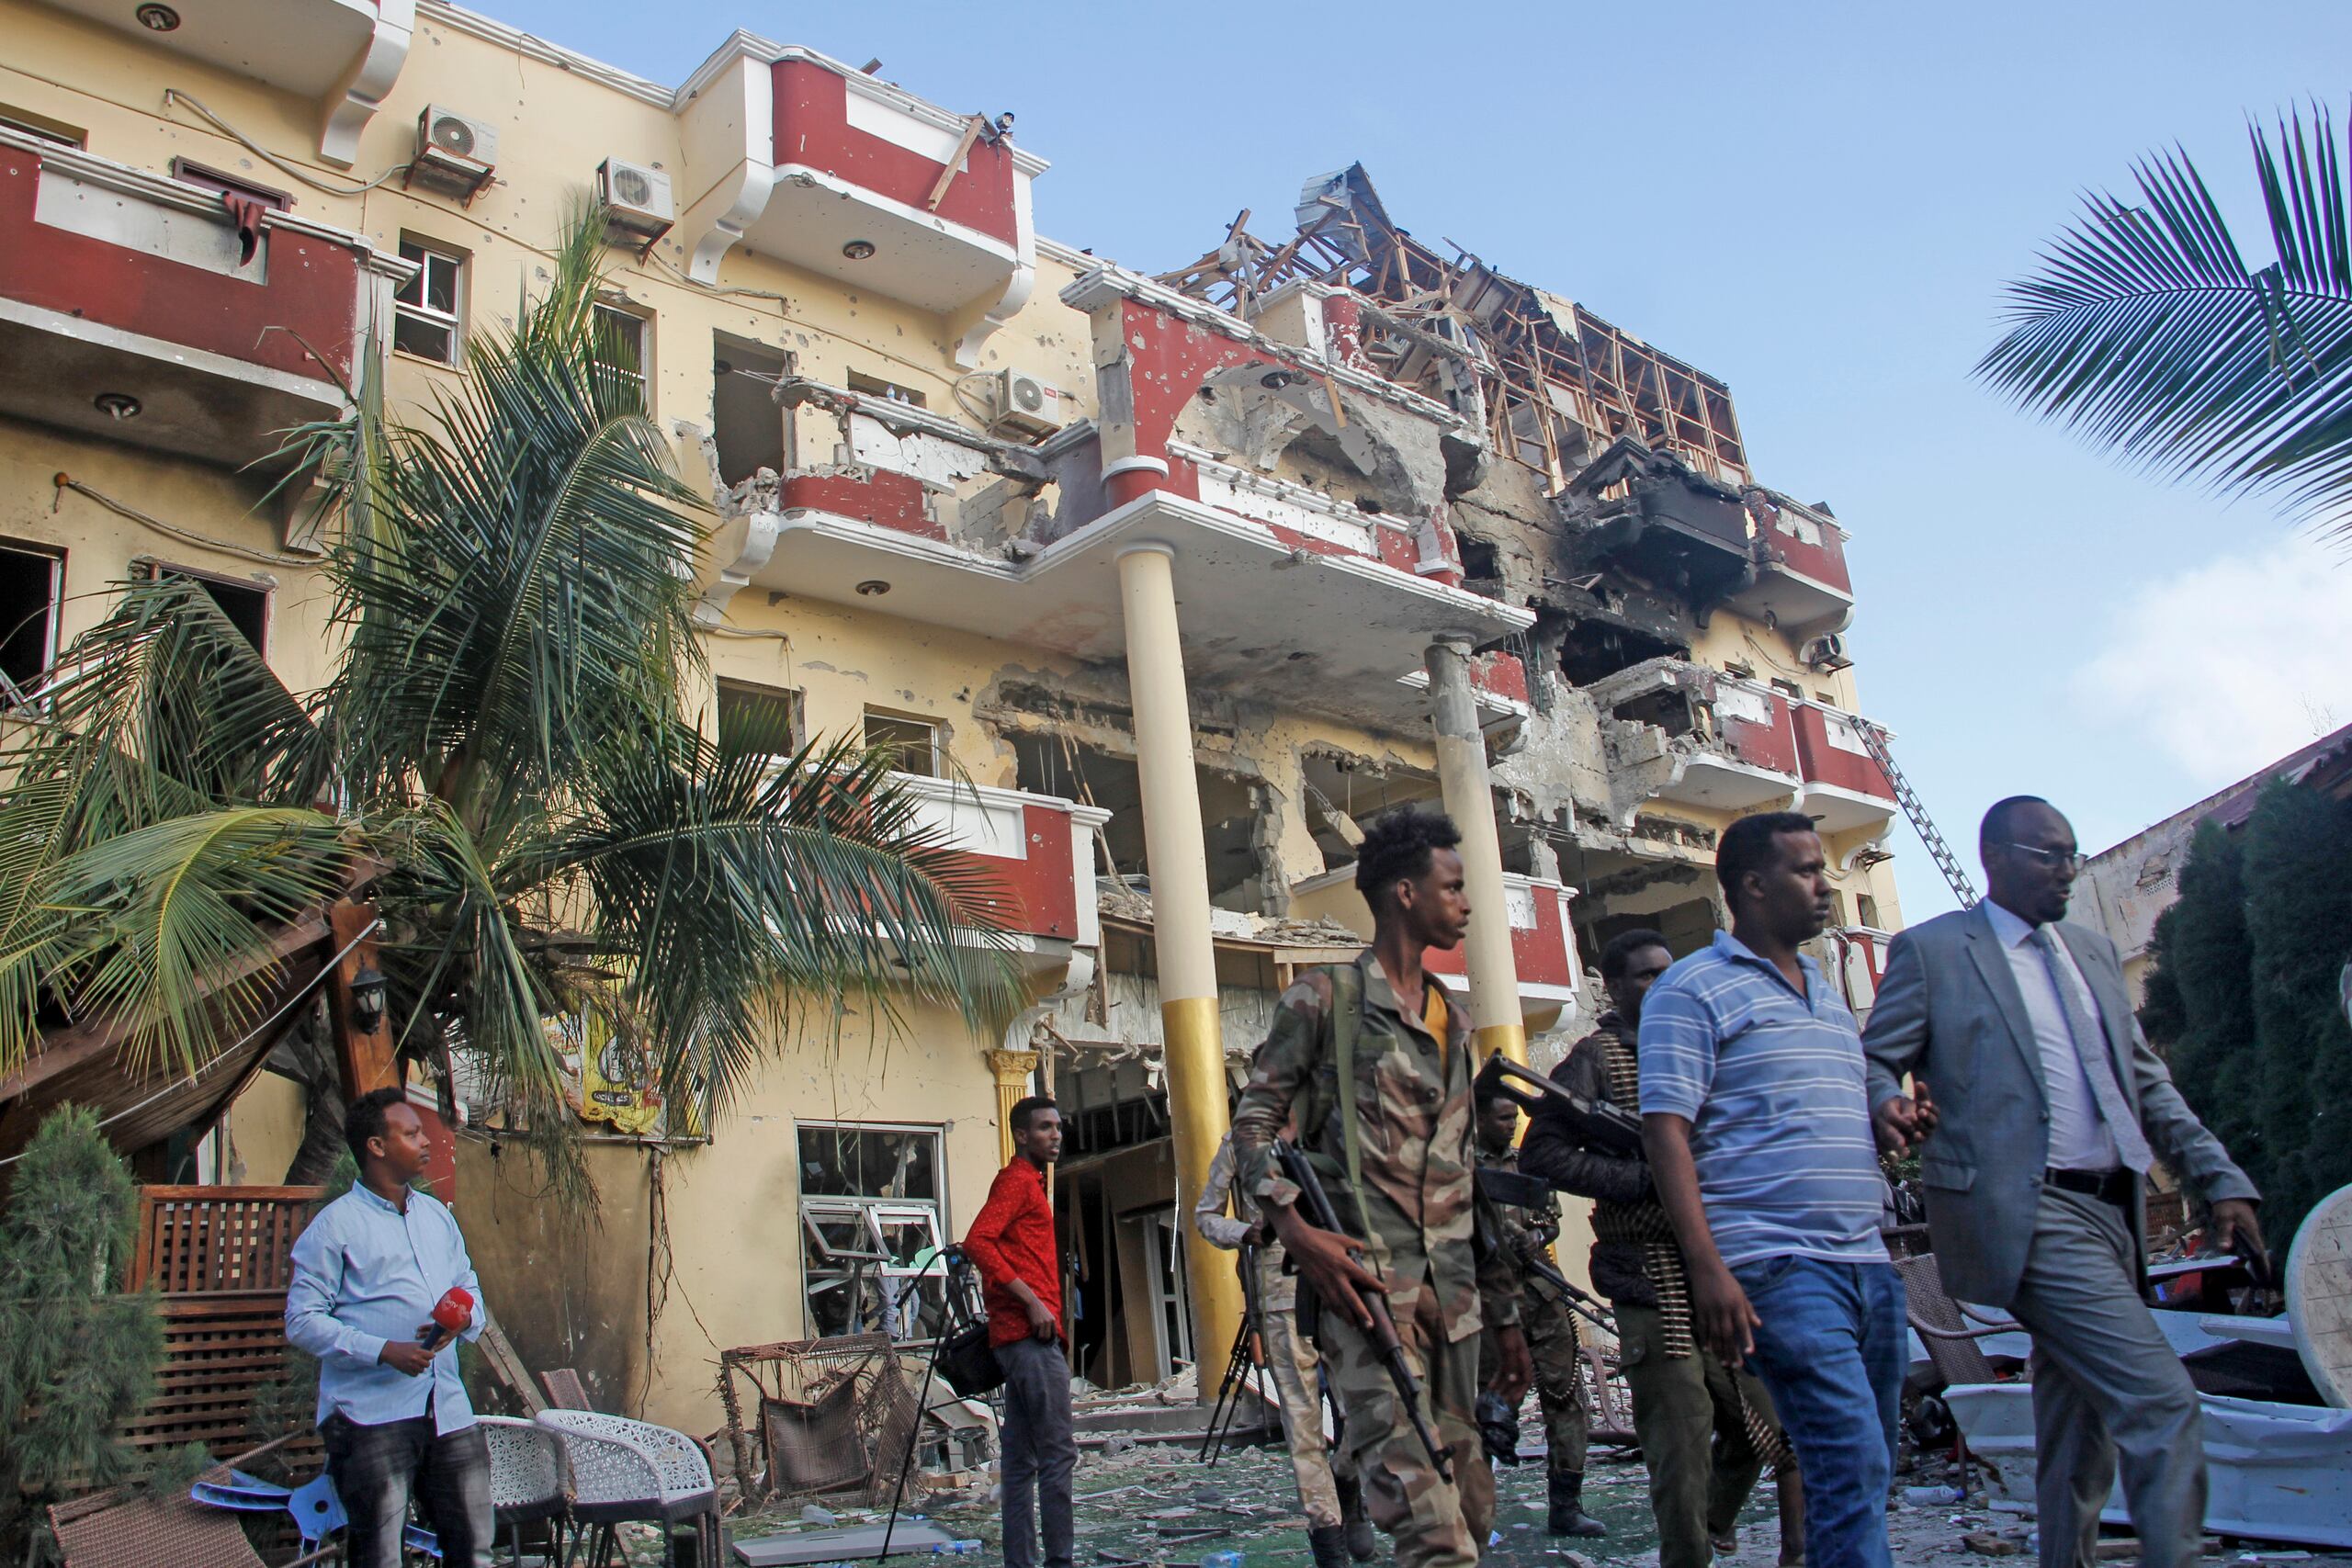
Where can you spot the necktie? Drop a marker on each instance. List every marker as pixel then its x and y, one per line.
pixel 2090 1049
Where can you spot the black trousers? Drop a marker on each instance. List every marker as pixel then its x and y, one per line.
pixel 376 1468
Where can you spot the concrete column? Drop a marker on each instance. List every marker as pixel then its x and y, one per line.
pixel 1469 800
pixel 1013 1069
pixel 1180 915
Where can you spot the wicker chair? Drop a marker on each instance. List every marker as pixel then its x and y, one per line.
pixel 1943 1323
pixel 619 1471
pixel 527 1479
pixel 124 1529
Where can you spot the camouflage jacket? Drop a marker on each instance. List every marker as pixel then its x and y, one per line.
pixel 1414 1142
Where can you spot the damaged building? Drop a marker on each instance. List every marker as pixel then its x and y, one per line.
pixel 1162 584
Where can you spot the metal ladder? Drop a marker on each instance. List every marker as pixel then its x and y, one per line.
pixel 1875 739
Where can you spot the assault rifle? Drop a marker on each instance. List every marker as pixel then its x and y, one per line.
pixel 1385 1338
pixel 1601 1123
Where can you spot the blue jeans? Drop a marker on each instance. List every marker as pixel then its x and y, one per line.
pixel 1830 1350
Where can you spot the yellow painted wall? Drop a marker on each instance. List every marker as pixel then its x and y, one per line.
pixel 732 1208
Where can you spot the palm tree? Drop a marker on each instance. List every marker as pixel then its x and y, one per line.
pixel 2146 330
pixel 504 742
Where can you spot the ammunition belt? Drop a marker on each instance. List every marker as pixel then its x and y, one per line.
pixel 1645 1224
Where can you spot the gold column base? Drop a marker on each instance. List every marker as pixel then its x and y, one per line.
pixel 1013 1069
pixel 1198 1119
pixel 1511 1039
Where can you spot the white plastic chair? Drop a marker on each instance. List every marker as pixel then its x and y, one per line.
pixel 527 1479
pixel 621 1470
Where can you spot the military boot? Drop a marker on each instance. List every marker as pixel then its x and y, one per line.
pixel 1330 1545
pixel 1362 1545
pixel 1567 1514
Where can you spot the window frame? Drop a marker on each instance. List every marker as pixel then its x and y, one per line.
pixel 155 569
pixel 42 127
pixel 642 321
pixel 203 176
pixel 52 634
pixel 938 731
pixel 452 320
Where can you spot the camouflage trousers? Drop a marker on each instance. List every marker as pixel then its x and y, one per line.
pixel 1551 1331
pixel 1433 1523
pixel 1295 1367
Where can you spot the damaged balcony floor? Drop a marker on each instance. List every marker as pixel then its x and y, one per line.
pixel 1143 1504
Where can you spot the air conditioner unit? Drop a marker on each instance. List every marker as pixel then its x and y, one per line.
pixel 1825 652
pixel 1022 406
pixel 453 153
pixel 636 199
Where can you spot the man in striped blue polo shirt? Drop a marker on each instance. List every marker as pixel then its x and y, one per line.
pixel 1756 1123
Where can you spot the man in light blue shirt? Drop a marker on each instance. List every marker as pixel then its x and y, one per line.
pixel 1757 1129
pixel 368 1274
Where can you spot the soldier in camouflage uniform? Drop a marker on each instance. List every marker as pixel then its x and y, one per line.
pixel 1550 1326
pixel 1328 1493
pixel 1411 1046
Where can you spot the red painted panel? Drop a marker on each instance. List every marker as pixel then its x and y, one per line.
pixel 1823 562
pixel 1504 674
pixel 1772 745
pixel 1167 358
pixel 312 292
pixel 1540 951
pixel 1040 892
pixel 1826 763
pixel 891 500
pixel 812 128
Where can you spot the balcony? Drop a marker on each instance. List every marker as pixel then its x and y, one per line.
pixel 341 56
pixel 130 310
pixel 1543 939
pixel 1040 850
pixel 806 160
pixel 1801 583
pixel 1703 737
pixel 1844 785
pixel 1651 514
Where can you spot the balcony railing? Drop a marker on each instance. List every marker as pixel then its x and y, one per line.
pixel 1039 848
pixel 131 306
pixel 1728 744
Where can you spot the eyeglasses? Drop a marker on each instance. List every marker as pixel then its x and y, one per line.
pixel 2056 860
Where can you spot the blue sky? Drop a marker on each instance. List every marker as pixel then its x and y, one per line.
pixel 1817 203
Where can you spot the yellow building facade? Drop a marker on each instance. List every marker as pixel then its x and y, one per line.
pixel 1171 582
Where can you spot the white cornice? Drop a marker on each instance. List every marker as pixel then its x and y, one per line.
pixel 739 45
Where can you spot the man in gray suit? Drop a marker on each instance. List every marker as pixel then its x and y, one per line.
pixel 2047 1108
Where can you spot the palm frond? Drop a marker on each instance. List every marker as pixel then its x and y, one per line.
pixel 2146 330
pixel 732 887
pixel 518 590
pixel 164 926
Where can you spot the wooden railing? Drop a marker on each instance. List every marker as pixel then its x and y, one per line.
pixel 222 1257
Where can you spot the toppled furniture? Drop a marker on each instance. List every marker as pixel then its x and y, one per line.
pixel 831 1413
pixel 125 1528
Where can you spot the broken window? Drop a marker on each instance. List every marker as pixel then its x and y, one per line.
pixel 914 742
pixel 32 584
pixel 870 1227
pixel 428 313
pixel 246 604
pixel 746 425
pixel 1481 561
pixel 1866 910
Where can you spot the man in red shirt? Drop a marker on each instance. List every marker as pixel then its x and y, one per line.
pixel 1012 1243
